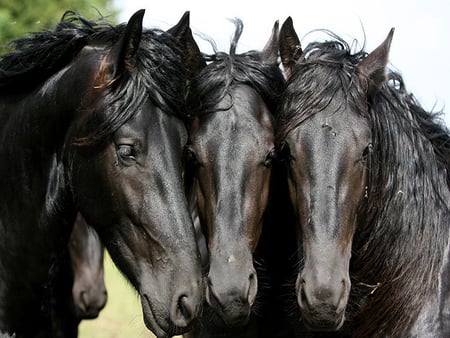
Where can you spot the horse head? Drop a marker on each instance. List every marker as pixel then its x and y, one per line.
pixel 125 158
pixel 86 256
pixel 327 137
pixel 231 142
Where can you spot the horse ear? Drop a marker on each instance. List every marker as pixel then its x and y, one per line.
pixel 124 50
pixel 374 65
pixel 290 48
pixel 192 55
pixel 270 51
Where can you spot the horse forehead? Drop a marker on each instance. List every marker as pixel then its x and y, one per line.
pixel 233 129
pixel 336 127
pixel 150 119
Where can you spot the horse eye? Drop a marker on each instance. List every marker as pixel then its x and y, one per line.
pixel 269 158
pixel 126 152
pixel 367 151
pixel 284 152
pixel 191 158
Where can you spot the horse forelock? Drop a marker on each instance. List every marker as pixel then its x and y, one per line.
pixel 217 79
pixel 401 245
pixel 225 70
pixel 324 69
pixel 157 73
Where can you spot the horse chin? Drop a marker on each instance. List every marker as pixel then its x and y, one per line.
pixel 218 321
pixel 155 320
pixel 328 324
pixel 229 314
pixel 223 321
pixel 81 314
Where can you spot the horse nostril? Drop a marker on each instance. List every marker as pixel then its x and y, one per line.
pixel 184 311
pixel 83 298
pixel 303 299
pixel 253 288
pixel 211 298
pixel 252 276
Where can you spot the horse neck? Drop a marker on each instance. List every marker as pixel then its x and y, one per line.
pixel 408 224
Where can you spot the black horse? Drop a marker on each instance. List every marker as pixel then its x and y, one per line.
pixel 230 151
pixel 368 174
pixel 78 289
pixel 92 120
pixel 86 258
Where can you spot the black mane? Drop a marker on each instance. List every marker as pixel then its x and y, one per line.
pixel 158 72
pixel 329 67
pixel 224 71
pixel 400 245
pixel 37 57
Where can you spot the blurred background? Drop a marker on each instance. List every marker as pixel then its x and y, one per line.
pixel 420 51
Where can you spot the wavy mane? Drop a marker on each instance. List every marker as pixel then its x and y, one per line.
pixel 224 71
pixel 43 53
pixel 399 246
pixel 158 73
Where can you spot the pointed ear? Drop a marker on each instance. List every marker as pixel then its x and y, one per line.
pixel 191 53
pixel 270 52
pixel 373 67
pixel 290 48
pixel 123 51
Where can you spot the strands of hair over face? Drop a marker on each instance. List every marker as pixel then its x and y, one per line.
pixel 324 69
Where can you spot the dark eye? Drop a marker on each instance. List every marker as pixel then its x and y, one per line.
pixel 367 152
pixel 190 157
pixel 269 158
pixel 126 152
pixel 284 152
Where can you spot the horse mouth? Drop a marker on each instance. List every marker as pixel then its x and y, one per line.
pixel 87 314
pixel 233 313
pixel 328 324
pixel 157 320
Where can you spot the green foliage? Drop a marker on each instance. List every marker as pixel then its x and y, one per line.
pixel 18 18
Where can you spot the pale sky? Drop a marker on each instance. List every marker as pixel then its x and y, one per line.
pixel 420 49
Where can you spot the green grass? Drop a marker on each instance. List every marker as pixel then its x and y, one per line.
pixel 122 316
